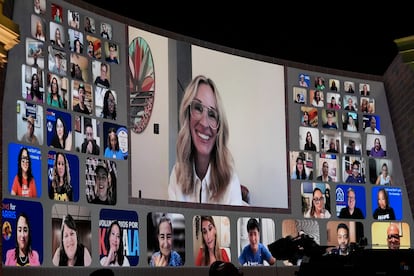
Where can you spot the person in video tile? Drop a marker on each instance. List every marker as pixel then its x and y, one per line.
pixel 204 170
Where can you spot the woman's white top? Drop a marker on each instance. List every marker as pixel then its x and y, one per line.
pixel 385 181
pixel 201 191
pixel 325 214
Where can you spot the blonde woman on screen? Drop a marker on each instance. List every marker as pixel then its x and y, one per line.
pixel 204 170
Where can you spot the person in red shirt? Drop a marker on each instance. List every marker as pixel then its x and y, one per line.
pixel 211 250
pixel 24 182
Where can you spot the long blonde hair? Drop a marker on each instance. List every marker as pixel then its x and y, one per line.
pixel 221 161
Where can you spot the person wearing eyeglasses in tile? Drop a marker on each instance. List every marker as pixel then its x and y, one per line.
pixel 355 176
pixel 204 171
pixel 393 237
pixel 24 183
pixel 317 209
pixel 30 136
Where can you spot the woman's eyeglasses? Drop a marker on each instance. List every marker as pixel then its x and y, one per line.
pixel 318 199
pixel 197 110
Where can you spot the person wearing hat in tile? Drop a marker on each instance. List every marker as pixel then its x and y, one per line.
pixel 58 64
pixel 104 185
pixel 29 136
pixel 81 106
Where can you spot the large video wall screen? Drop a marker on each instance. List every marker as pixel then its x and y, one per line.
pixel 91 115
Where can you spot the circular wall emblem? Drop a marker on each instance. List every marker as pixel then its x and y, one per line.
pixel 141 84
